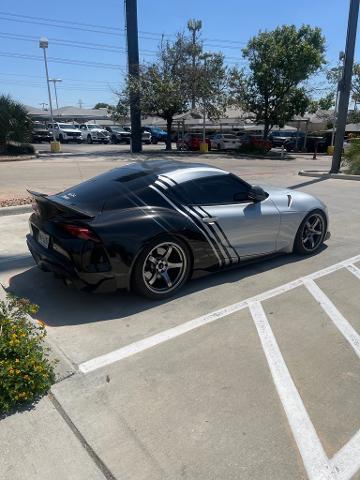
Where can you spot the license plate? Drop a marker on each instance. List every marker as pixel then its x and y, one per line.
pixel 43 239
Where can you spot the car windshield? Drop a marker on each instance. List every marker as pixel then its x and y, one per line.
pixel 40 126
pixel 66 125
pixel 91 127
pixel 117 129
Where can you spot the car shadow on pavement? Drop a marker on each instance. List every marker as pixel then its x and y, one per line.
pixel 60 305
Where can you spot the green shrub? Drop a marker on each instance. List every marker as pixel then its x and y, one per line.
pixel 14 148
pixel 352 157
pixel 25 370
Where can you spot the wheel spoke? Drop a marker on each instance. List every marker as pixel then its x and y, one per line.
pixel 175 265
pixel 168 253
pixel 154 277
pixel 166 277
pixel 152 259
pixel 317 220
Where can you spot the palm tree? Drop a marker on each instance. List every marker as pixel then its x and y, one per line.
pixel 15 123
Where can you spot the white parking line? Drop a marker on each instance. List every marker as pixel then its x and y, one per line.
pixel 141 345
pixel 315 460
pixel 339 320
pixel 346 461
pixel 354 270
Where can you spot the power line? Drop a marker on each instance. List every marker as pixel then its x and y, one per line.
pixel 66 61
pixel 87 45
pixel 67 79
pixel 106 29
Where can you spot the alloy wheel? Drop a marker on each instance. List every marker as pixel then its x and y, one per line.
pixel 164 267
pixel 313 232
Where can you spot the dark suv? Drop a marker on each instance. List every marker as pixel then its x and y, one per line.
pixel 40 133
pixel 118 134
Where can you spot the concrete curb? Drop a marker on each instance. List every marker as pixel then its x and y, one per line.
pixel 19 159
pixel 15 210
pixel 319 174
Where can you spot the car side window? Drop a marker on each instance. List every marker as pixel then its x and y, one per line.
pixel 217 189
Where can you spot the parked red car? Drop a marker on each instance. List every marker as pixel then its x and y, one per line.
pixel 255 141
pixel 191 141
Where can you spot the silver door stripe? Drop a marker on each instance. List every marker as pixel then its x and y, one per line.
pixel 190 219
pixel 217 232
pixel 195 215
pixel 234 256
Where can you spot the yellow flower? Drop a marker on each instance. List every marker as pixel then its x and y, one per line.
pixel 11 371
pixel 17 360
pixel 17 371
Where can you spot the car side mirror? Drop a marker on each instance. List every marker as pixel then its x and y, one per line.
pixel 257 194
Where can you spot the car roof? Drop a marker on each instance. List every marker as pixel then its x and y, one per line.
pixel 177 171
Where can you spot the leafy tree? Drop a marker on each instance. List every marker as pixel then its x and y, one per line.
pixel 15 123
pixel 161 84
pixel 101 105
pixel 279 62
pixel 323 103
pixel 119 112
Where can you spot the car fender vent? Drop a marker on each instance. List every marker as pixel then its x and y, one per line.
pixel 289 200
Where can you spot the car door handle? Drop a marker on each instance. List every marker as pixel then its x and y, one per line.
pixel 209 219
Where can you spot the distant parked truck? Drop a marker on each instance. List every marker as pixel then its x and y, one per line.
pixel 40 133
pixel 157 134
pixel 94 133
pixel 118 134
pixel 65 132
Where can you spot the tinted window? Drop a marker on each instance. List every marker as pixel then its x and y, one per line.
pixel 213 190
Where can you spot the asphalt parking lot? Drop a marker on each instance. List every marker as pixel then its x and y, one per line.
pixel 251 373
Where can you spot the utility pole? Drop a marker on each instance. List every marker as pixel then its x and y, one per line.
pixel 345 85
pixel 43 105
pixel 80 103
pixel 44 44
pixel 55 81
pixel 194 26
pixel 134 73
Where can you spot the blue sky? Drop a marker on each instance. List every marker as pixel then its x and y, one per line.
pixel 226 27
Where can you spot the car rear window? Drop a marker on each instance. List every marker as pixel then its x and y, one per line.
pixel 113 189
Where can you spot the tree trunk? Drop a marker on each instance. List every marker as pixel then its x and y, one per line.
pixel 169 122
pixel 266 129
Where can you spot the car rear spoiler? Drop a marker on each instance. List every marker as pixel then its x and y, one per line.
pixel 44 198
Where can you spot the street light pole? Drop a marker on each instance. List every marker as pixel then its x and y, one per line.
pixel 54 81
pixel 345 85
pixel 44 43
pixel 134 73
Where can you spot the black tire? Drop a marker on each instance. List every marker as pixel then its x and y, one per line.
pixel 61 138
pixel 159 268
pixel 89 139
pixel 218 146
pixel 114 140
pixel 313 244
pixel 154 141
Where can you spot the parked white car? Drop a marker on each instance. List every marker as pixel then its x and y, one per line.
pixel 225 141
pixel 145 135
pixel 65 132
pixel 94 133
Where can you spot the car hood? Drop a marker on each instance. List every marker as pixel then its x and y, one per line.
pixel 71 130
pixel 287 199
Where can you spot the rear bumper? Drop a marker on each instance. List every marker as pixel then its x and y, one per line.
pixel 51 261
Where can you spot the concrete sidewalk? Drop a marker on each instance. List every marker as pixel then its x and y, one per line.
pixel 39 444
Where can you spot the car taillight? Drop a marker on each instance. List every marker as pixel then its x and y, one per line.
pixel 80 232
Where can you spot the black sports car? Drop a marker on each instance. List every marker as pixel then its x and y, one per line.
pixel 151 225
